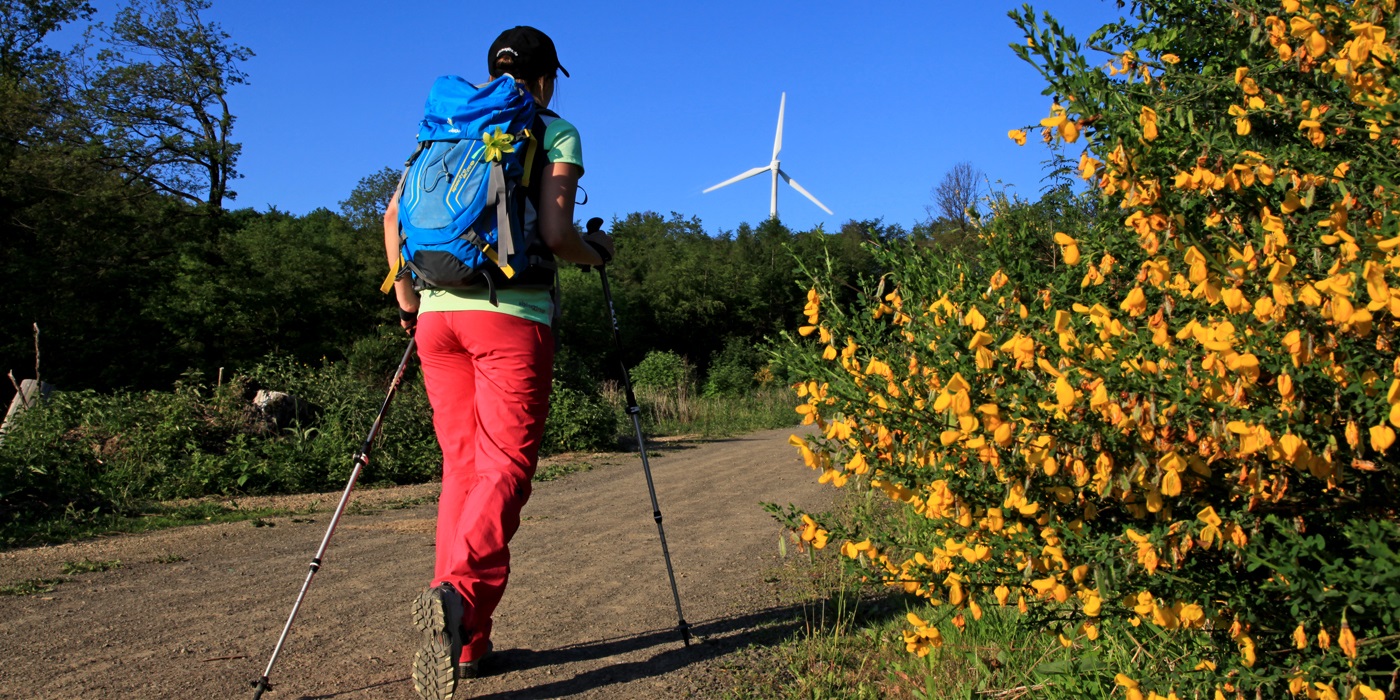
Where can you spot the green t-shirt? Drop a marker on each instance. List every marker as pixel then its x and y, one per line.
pixel 561 143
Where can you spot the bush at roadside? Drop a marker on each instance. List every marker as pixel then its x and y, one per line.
pixel 1167 429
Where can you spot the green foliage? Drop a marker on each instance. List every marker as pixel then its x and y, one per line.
pixel 82 456
pixel 578 421
pixel 662 370
pixel 679 289
pixel 732 369
pixel 276 283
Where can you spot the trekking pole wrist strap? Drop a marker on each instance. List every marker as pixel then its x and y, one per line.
pixel 408 316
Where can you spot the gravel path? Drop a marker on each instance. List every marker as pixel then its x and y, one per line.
pixel 194 612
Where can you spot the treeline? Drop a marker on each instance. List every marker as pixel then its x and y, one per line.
pixel 116 161
pixel 116 168
pixel 152 294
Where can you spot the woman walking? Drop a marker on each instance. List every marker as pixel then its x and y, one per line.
pixel 487 355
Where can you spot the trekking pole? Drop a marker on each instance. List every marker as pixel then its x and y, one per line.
pixel 595 224
pixel 361 461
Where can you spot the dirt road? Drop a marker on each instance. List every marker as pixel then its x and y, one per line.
pixel 194 612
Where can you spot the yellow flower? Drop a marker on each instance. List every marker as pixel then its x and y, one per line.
pixel 1323 691
pixel 1059 120
pixel 1064 394
pixel 1382 437
pixel 497 144
pixel 1135 303
pixel 1148 119
pixel 1247 653
pixel 1347 641
pixel 1092 604
pixel 975 319
pixel 980 339
pixel 1070 248
pixel 1171 58
pixel 1361 691
pixel 1130 686
pixel 1018 136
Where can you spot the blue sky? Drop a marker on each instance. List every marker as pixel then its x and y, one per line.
pixel 670 98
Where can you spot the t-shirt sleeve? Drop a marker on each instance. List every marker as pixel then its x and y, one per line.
pixel 563 144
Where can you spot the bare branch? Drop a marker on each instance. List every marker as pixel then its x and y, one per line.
pixel 37 377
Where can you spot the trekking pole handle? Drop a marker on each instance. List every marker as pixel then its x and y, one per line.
pixel 594 225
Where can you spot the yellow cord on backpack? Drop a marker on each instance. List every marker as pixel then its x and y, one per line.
pixel 491 255
pixel 388 285
pixel 529 158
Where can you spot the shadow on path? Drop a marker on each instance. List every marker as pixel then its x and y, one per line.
pixel 720 637
pixel 352 691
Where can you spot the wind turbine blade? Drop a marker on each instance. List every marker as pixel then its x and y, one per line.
pixel 778 140
pixel 805 193
pixel 737 178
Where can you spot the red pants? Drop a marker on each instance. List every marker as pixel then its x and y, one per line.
pixel 488 379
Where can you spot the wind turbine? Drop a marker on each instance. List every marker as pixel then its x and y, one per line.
pixel 775 170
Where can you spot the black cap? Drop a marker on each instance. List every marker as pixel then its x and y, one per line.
pixel 534 53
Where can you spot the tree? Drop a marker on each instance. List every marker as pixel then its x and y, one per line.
pixel 33 77
pixel 25 23
pixel 955 196
pixel 365 206
pixel 157 92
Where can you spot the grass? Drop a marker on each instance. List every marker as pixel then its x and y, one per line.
pixel 87 566
pixel 35 586
pixel 559 470
pixel 78 526
pixel 850 646
pixel 850 643
pixel 359 507
pixel 683 412
pixel 32 586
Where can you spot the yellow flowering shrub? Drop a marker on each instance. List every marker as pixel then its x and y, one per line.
pixel 1169 419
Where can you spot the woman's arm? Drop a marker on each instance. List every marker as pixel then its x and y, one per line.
pixel 556 217
pixel 403 287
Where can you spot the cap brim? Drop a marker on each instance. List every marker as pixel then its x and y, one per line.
pixel 565 71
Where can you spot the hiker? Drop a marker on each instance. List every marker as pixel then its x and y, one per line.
pixel 487 353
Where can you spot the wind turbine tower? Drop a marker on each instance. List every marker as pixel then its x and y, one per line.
pixel 776 171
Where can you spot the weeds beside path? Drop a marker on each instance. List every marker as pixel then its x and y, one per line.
pixel 194 612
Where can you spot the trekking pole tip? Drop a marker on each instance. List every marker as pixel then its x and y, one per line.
pixel 260 685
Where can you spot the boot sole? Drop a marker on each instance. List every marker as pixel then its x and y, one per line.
pixel 434 669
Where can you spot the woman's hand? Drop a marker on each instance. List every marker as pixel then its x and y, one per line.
pixel 602 244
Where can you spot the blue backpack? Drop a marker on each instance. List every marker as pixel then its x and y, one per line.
pixel 464 216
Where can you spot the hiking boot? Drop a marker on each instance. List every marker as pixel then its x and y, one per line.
pixel 437 615
pixel 472 669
